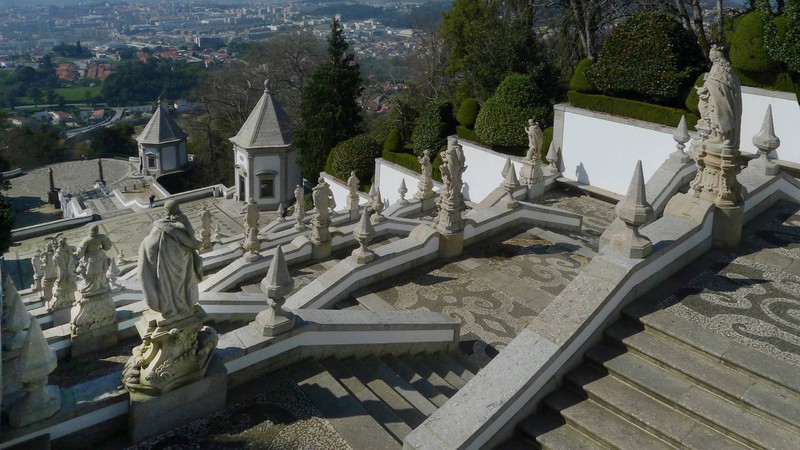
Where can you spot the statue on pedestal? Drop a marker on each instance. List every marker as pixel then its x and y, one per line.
pixel 94 309
pixel 65 286
pixel 251 243
pixel 50 273
pixel 451 200
pixel 425 185
pixel 299 208
pixel 176 348
pixel 532 164
pixel 352 196
pixel 37 263
pixel 325 204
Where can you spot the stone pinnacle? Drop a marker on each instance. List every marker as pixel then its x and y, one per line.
pixel 766 140
pixel 278 283
pixel 634 209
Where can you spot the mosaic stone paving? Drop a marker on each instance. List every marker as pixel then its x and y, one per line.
pixel 750 294
pixel 597 214
pixel 495 290
pixel 280 418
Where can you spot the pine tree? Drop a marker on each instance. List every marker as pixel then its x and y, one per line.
pixel 329 112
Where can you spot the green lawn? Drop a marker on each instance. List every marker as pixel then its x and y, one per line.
pixel 70 94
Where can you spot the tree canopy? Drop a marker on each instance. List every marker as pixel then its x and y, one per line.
pixel 330 112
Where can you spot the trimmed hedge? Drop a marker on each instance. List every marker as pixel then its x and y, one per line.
pixel 357 153
pixel 747 44
pixel 502 119
pixel 410 162
pixel 649 57
pixel 433 126
pixel 466 133
pixel 468 112
pixel 393 142
pixel 633 109
pixel 579 82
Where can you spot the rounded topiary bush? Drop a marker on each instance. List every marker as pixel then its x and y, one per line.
pixel 357 153
pixel 649 57
pixel 468 112
pixel 692 99
pixel 433 125
pixel 579 82
pixel 747 45
pixel 502 119
pixel 393 142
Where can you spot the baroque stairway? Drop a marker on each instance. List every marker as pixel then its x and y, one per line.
pixel 660 381
pixel 374 402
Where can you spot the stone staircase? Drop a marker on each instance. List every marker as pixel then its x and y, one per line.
pixel 374 402
pixel 659 381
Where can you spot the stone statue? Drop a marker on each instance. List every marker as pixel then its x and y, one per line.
pixel 451 200
pixel 37 262
pixel 720 103
pixel 50 273
pixel 94 263
pixel 251 216
pixel 425 185
pixel 352 196
pixel 65 286
pixel 323 200
pixel 205 231
pixel 299 208
pixel 535 139
pixel 169 265
pixel 113 274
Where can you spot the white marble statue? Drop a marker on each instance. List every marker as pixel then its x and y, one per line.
pixel 720 103
pixel 94 263
pixel 323 200
pixel 169 265
pixel 425 185
pixel 535 139
pixel 37 262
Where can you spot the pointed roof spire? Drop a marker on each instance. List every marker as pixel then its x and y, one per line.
pixel 161 129
pixel 278 283
pixel 266 126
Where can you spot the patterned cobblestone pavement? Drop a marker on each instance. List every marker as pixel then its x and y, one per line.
pixel 750 294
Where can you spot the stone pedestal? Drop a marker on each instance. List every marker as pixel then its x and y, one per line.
pixel 93 322
pixel 428 203
pixel 451 245
pixel 535 190
pixel 40 403
pixel 321 250
pixel 727 230
pixel 274 320
pixel 52 198
pixel 47 289
pixel 150 415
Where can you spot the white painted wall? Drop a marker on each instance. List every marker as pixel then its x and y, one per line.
pixel 169 157
pixel 484 170
pixel 340 192
pixel 785 115
pixel 600 150
pixel 388 176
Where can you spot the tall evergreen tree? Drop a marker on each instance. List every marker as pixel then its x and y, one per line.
pixel 329 111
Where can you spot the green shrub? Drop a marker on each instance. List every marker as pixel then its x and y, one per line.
pixel 547 138
pixel 747 44
pixel 393 142
pixel 433 126
pixel 633 109
pixel 774 81
pixel 468 112
pixel 579 82
pixel 650 57
pixel 466 133
pixel 502 120
pixel 692 99
pixel 357 153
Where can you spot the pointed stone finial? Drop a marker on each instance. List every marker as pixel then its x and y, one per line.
pixel 372 190
pixel 377 205
pixel 402 191
pixel 766 141
pixel 681 137
pixel 510 184
pixel 506 168
pixel 554 166
pixel 15 317
pixel 634 211
pixel 281 213
pixel 278 283
pixel 35 362
pixel 363 232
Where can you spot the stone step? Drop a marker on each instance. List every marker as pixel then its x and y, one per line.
pixel 646 412
pixel 518 442
pixel 443 370
pixel 410 415
pixel 766 399
pixel 369 401
pixel 732 353
pixel 552 433
pixel 420 384
pixel 401 386
pixel 343 411
pixel 679 392
pixel 600 424
pixel 455 366
pixel 428 374
pixel 466 362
